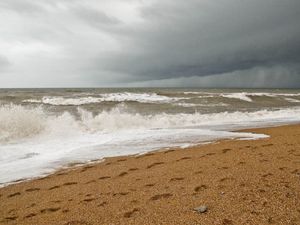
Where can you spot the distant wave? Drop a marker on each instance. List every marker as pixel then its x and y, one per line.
pixel 240 96
pixel 245 96
pixel 192 105
pixel 110 97
pixel 155 98
pixel 292 100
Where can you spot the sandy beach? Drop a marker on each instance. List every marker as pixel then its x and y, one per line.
pixel 240 182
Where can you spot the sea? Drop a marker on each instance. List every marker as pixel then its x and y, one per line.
pixel 42 130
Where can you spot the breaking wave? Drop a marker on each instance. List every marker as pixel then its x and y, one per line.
pixel 17 122
pixel 34 141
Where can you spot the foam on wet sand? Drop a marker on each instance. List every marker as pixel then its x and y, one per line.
pixel 239 181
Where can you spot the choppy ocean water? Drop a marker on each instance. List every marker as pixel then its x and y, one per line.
pixel 44 129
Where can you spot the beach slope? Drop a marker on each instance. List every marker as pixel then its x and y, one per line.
pixel 240 182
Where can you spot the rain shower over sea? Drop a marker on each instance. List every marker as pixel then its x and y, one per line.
pixel 42 130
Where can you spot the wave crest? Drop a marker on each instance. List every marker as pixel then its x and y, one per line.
pixel 18 122
pixel 21 122
pixel 110 97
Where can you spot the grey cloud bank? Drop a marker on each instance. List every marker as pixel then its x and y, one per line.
pixel 232 43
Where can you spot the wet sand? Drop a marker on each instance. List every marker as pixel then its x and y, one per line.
pixel 241 182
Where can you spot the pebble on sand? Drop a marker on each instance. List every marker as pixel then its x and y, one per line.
pixel 201 209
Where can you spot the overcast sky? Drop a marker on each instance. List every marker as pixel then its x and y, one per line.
pixel 220 43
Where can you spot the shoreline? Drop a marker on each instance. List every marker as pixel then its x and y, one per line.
pixel 162 187
pixel 75 165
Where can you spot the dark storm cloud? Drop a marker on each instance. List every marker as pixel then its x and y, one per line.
pixel 258 77
pixel 210 37
pixel 130 42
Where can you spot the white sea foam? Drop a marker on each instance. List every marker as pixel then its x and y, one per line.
pixel 246 96
pixel 151 97
pixel 191 105
pixel 292 100
pixel 138 97
pixel 34 141
pixel 65 101
pixel 109 97
pixel 241 96
pixel 17 122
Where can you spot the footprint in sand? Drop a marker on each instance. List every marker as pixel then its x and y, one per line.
pixel 61 174
pixel 121 194
pixel 145 155
pixel 168 151
pixel 209 154
pixel 227 222
pixel 91 181
pixel 122 174
pixel 267 175
pixel 13 195
pixel 226 150
pixel 121 160
pixel 104 177
pixel 161 196
pixel 89 199
pixel 226 179
pixel 30 215
pixel 224 168
pixel 33 189
pixel 86 168
pixel 183 158
pixel 176 179
pixel 130 213
pixel 102 204
pixel 200 188
pixel 54 187
pixel 31 205
pixel 48 210
pixel 154 164
pixel 70 183
pixel 11 218
pixel 11 211
pixel 267 145
pixel 77 222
